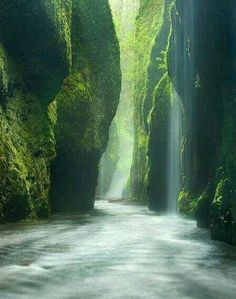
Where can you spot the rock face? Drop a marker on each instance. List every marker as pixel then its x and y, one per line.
pixel 148 25
pixel 86 106
pixel 37 37
pixel 208 93
pixel 193 54
pixel 41 45
pixel 157 105
pixel 27 82
pixel 152 104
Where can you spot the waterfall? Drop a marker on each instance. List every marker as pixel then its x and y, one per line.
pixel 174 152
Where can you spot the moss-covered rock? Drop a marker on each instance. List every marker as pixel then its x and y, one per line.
pixel 149 22
pixel 42 44
pixel 86 106
pixel 158 146
pixel 203 73
pixel 27 146
pixel 34 59
pixel 152 104
pixel 37 36
pixel 221 224
pixel 187 205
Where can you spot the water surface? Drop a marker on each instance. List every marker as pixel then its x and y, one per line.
pixel 118 251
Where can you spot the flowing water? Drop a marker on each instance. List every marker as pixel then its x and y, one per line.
pixel 174 153
pixel 118 251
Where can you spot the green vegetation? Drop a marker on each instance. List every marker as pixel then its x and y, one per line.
pixel 150 23
pixel 152 38
pixel 27 148
pixel 158 145
pixel 119 161
pixel 85 106
pixel 207 92
pixel 42 45
pixel 60 85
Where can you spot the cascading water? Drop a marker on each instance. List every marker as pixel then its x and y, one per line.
pixel 183 76
pixel 174 152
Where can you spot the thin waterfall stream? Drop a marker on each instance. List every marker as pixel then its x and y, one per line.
pixel 118 149
pixel 174 152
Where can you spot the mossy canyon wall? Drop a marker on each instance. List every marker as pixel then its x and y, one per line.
pixel 206 35
pixel 190 53
pixel 59 90
pixel 60 83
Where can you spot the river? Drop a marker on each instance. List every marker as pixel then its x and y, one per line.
pixel 117 251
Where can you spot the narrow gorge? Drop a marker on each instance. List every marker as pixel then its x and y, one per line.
pixel 117 142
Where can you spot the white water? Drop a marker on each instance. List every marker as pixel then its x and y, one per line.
pixel 116 252
pixel 174 152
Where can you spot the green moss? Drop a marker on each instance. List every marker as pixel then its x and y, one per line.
pixel 158 145
pixel 85 106
pixel 27 143
pixel 27 147
pixel 40 46
pixel 39 38
pixel 222 224
pixel 187 205
pixel 196 206
pixel 148 23
pixel 158 64
pixel 74 115
pixel 203 208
